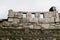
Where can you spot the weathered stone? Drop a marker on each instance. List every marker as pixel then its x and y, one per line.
pixel 10 19
pixel 10 13
pixel 35 22
pixel 5 24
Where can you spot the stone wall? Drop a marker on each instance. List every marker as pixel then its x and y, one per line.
pixel 30 26
pixel 34 20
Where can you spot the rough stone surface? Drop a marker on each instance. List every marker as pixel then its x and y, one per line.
pixel 31 24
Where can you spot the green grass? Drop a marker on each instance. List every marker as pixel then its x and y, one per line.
pixel 28 35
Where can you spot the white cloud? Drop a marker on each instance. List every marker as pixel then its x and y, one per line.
pixel 3 12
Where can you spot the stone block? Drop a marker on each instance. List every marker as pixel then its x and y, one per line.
pixel 24 20
pixel 41 20
pixel 31 26
pixel 6 24
pixel 46 26
pixel 10 19
pixel 52 27
pixel 10 13
pixel 16 14
pixel 16 20
pixel 51 19
pixel 20 15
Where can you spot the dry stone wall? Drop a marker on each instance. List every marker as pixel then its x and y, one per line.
pixel 34 20
pixel 31 25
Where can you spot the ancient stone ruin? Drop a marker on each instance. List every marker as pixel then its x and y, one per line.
pixel 31 25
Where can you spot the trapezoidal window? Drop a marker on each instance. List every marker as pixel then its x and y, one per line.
pixel 33 15
pixel 24 15
pixel 41 15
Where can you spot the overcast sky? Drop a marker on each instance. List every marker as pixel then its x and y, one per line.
pixel 26 5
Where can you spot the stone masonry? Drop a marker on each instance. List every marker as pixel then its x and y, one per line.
pixel 34 20
pixel 30 23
